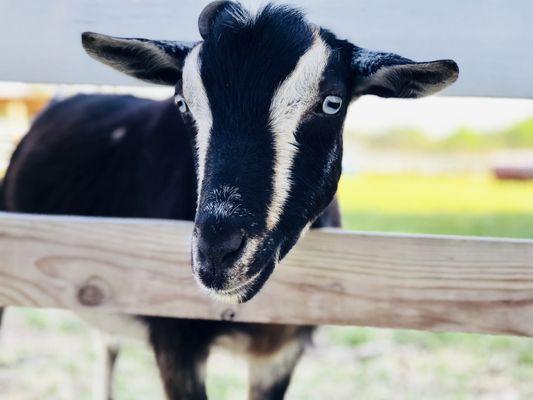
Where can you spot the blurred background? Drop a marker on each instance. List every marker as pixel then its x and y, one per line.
pixel 440 165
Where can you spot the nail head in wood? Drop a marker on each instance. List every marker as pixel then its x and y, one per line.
pixel 228 315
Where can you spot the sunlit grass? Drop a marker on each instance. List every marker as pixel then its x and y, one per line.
pixel 426 194
pixel 447 204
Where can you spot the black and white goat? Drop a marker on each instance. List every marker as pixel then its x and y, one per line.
pixel 249 149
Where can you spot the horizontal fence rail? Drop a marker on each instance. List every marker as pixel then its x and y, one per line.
pixel 435 283
pixel 491 40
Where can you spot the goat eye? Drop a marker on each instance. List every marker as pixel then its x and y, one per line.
pixel 332 105
pixel 179 101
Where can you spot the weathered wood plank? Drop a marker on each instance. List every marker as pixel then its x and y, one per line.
pixel 491 39
pixel 332 277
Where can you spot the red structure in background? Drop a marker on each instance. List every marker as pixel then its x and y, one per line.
pixel 513 173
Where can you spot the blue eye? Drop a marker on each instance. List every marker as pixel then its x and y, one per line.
pixel 332 105
pixel 180 102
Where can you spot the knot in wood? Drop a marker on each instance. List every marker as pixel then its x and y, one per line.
pixel 228 315
pixel 91 295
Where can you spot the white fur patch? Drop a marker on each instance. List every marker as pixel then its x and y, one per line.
pixel 118 134
pixel 198 102
pixel 306 229
pixel 295 96
pixel 116 324
pixel 266 371
pixel 250 250
pixel 237 343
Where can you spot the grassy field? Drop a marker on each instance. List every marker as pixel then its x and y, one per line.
pixel 448 204
pixel 51 355
pixel 519 135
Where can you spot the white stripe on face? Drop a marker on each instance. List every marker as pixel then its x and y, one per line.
pixel 296 95
pixel 196 97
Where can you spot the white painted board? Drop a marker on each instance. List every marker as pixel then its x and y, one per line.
pixel 492 40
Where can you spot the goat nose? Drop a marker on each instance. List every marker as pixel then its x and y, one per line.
pixel 216 249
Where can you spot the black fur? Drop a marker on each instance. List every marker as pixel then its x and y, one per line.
pixel 68 163
pixel 238 55
pixel 122 156
pixel 243 61
pixel 2 206
pixel 155 61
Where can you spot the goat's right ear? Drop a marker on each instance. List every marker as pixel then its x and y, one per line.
pixel 153 61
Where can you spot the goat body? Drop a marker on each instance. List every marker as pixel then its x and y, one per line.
pixel 120 156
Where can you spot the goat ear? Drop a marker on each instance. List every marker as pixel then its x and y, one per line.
pixel 154 61
pixel 209 14
pixel 390 75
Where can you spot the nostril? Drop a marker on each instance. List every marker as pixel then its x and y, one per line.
pixel 218 249
pixel 233 245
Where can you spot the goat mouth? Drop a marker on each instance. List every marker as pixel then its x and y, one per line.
pixel 236 294
pixel 242 286
pixel 243 291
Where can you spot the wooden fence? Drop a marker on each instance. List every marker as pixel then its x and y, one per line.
pixel 332 277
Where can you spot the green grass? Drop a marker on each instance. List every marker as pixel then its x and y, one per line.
pixel 456 205
pixel 494 225
pixel 463 139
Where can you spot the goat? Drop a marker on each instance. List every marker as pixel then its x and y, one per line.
pixel 249 149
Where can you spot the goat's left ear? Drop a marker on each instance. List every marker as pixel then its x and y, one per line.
pixel 154 61
pixel 390 75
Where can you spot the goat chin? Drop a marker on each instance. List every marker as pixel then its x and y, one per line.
pixel 236 295
pixel 227 298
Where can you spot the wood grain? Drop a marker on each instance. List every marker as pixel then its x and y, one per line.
pixel 331 277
